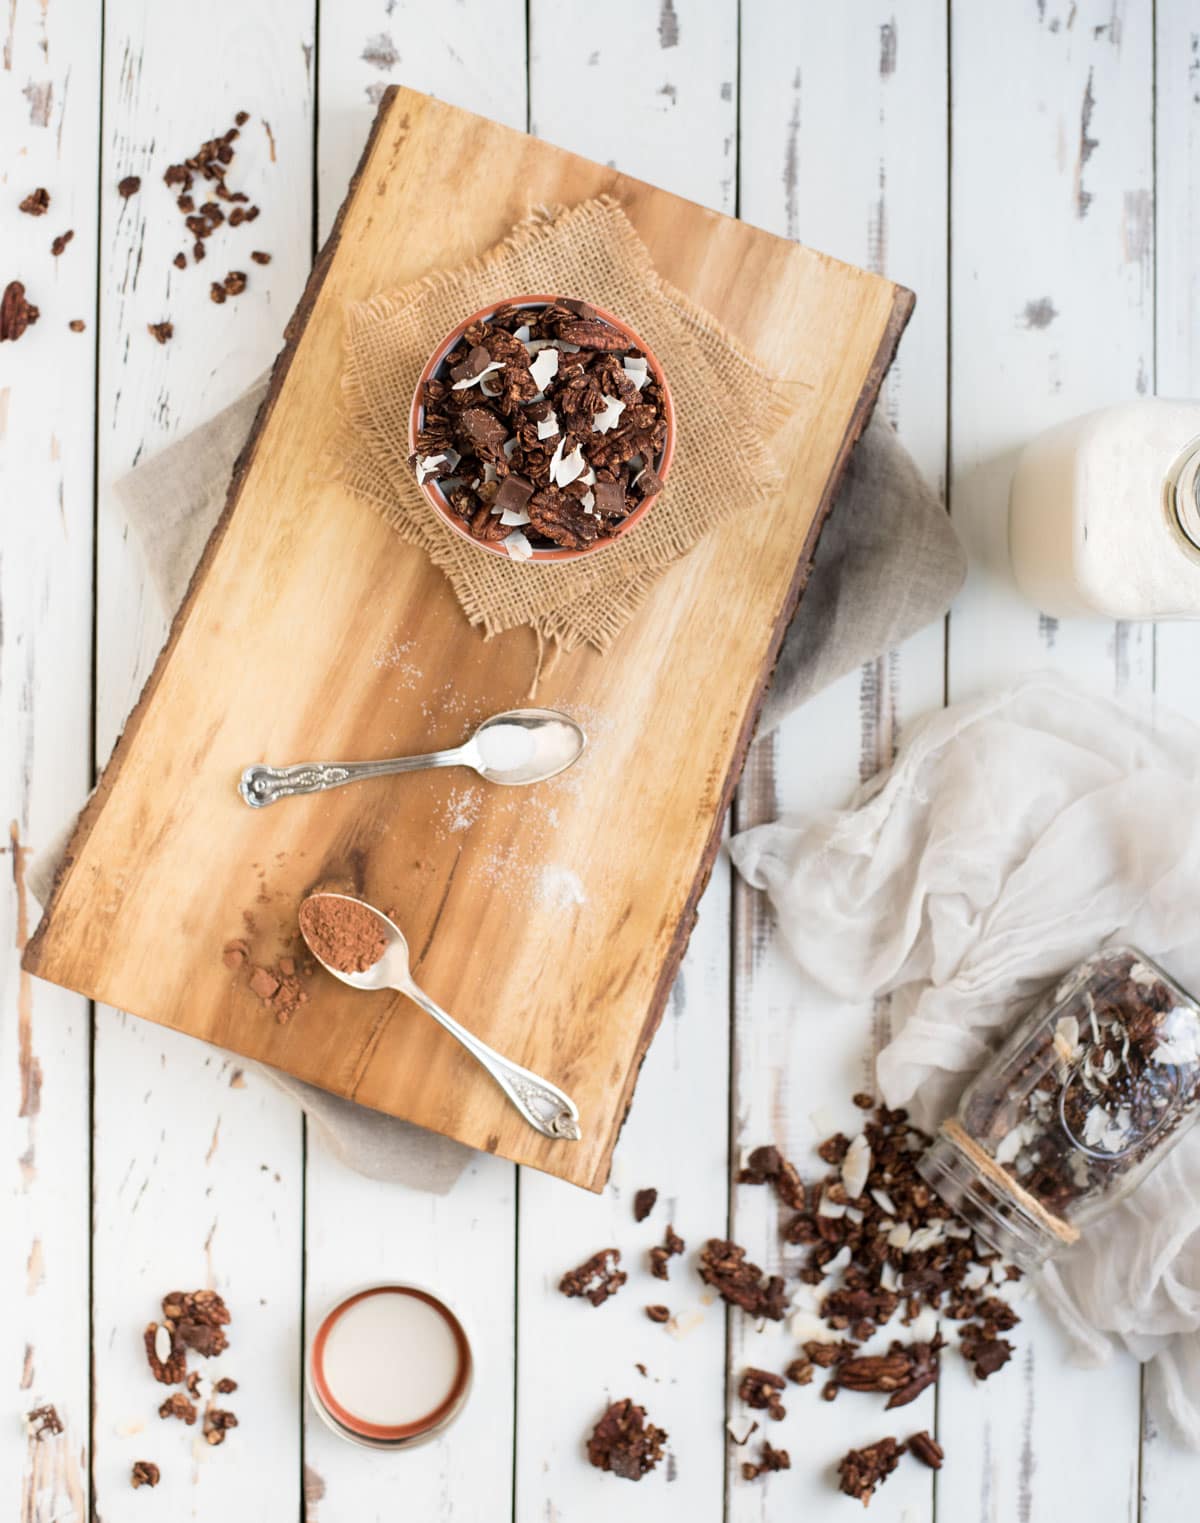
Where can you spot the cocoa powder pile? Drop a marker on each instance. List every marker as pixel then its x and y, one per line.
pixel 344 934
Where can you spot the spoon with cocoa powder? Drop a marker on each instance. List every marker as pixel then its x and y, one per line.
pixel 365 949
pixel 513 749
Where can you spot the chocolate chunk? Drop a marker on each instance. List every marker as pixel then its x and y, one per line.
pixel 36 203
pixel 129 186
pixel 483 429
pixel 926 1449
pixel 610 499
pixel 476 362
pixel 513 495
pixel 624 1442
pixel 596 1278
pixel 643 1201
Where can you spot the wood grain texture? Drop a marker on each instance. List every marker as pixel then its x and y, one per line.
pixel 298 578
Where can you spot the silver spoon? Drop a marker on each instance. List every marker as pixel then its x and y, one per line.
pixel 516 747
pixel 543 1105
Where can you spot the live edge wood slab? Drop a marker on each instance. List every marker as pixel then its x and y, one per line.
pixel 550 920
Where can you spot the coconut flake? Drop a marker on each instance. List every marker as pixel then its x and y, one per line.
pixel 569 467
pixel 610 417
pixel 840 1260
pixel 427 464
pixel 637 369
pixel 888 1278
pixel 588 501
pixel 477 380
pixel 899 1236
pixel 518 546
pixel 831 1208
pixel 521 334
pixel 547 427
pixel 162 1344
pixel 507 448
pixel 1012 1142
pixel 977 1277
pixel 856 1165
pixel 512 517
pixel 884 1201
pixel 1066 1038
pixel 544 368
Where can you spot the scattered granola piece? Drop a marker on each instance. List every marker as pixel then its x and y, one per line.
pixel 770 1459
pixel 760 1389
pixel 800 1371
pixel 659 1313
pixel 36 203
pixel 177 1405
pixel 259 257
pixel 61 242
pixel 144 1473
pixel 596 1278
pixel 624 1442
pixel 129 186
pixel 926 1449
pixel 166 1355
pixel 225 1386
pixel 863 1469
pixel 180 261
pixel 643 1201
pixel 77 325
pixel 16 314
pixel 216 1424
pixel 161 331
pixel 43 1420
pixel 672 1245
pixel 199 1317
pixel 724 1266
pixel 235 282
pixel 242 118
pixel 985 1355
pixel 216 292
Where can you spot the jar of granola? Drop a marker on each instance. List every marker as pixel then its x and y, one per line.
pixel 1095 1085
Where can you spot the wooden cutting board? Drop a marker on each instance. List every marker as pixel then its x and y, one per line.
pixel 551 920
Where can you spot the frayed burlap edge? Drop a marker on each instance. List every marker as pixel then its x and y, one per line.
pixel 727 408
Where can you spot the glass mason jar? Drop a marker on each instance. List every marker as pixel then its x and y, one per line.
pixel 1097 1083
pixel 1104 514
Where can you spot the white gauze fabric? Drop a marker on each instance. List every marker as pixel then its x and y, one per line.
pixel 1013 836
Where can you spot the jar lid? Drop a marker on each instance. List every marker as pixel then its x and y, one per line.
pixel 1183 493
pixel 389 1366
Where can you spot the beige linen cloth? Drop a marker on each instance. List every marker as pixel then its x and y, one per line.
pixel 888 563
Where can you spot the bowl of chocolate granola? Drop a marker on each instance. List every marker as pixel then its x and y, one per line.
pixel 542 429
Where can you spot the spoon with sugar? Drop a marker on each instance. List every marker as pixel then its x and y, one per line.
pixel 366 950
pixel 512 749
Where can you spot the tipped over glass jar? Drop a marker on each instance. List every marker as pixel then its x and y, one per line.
pixel 1095 1086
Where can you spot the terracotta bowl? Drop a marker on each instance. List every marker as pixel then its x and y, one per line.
pixel 437 497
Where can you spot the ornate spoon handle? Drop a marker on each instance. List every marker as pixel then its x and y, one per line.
pixel 543 1105
pixel 261 785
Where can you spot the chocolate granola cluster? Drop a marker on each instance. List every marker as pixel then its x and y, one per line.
pixel 545 427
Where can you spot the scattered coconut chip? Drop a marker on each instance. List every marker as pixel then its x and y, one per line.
pixel 427 464
pixel 856 1166
pixel 518 546
pixel 512 518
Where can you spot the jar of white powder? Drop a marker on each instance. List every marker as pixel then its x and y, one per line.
pixel 1104 514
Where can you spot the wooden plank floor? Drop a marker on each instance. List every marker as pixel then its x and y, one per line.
pixel 1030 170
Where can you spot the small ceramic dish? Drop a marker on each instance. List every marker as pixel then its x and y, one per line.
pixel 432 489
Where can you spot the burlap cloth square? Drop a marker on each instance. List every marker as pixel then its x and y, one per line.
pixel 726 409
